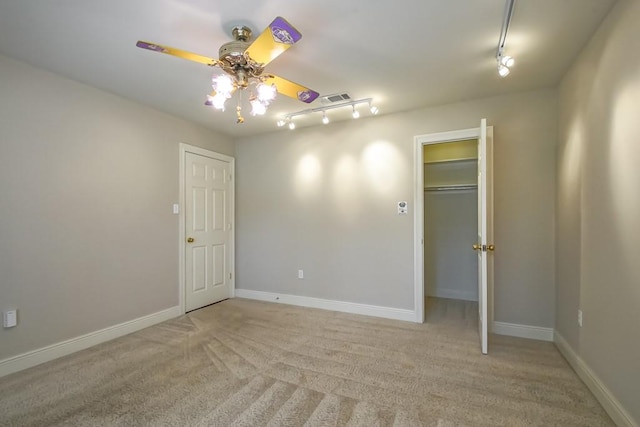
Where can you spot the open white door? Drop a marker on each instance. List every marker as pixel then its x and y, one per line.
pixel 483 247
pixel 484 135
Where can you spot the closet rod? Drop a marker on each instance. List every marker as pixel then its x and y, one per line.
pixel 451 187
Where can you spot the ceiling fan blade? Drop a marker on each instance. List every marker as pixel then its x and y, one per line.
pixel 177 52
pixel 291 89
pixel 275 39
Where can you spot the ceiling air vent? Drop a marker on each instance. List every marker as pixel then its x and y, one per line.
pixel 335 98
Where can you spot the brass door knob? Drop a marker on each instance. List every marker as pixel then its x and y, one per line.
pixel 190 239
pixel 477 247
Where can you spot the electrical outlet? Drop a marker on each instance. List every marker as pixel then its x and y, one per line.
pixel 300 274
pixel 580 318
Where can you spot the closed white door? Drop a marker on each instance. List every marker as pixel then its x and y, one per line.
pixel 207 230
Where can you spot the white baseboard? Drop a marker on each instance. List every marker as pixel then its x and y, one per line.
pixel 325 304
pixel 613 407
pixel 522 331
pixel 45 354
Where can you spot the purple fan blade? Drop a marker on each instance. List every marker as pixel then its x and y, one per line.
pixel 284 32
pixel 308 96
pixel 151 46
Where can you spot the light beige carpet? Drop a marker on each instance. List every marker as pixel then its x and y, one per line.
pixel 249 363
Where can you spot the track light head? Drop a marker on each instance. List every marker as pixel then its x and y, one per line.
pixel 503 70
pixel 325 119
pixel 507 61
pixel 355 113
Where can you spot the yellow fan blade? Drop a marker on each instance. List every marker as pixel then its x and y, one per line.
pixel 275 39
pixel 291 89
pixel 177 52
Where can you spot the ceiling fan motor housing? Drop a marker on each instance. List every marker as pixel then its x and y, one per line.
pixel 233 58
pixel 232 52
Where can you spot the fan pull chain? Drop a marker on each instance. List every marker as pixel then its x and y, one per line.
pixel 240 119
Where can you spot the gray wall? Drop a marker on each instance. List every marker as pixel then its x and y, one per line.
pixel 598 216
pixel 87 181
pixel 450 228
pixel 323 199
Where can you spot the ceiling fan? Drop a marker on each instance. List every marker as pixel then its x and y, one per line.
pixel 243 63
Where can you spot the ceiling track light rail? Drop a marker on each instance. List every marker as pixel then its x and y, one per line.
pixel 287 119
pixel 505 62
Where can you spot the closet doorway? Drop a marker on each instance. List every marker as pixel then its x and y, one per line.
pixel 453 223
pixel 450 220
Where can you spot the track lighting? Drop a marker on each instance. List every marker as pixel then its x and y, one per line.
pixel 325 119
pixel 504 65
pixel 505 62
pixel 503 70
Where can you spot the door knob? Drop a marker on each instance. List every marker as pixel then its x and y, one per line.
pixel 190 239
pixel 477 247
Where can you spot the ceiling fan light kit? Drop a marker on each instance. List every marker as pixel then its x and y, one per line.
pixel 505 62
pixel 243 63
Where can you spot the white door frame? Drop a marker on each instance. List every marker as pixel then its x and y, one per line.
pixel 184 149
pixel 418 201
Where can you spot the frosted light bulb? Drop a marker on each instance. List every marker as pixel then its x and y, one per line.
pixel 258 108
pixel 223 84
pixel 266 93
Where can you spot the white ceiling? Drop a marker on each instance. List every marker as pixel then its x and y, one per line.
pixel 403 53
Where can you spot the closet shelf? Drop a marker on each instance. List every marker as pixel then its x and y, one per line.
pixel 458 160
pixel 451 187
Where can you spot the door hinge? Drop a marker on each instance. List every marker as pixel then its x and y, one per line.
pixel 230 276
pixel 230 226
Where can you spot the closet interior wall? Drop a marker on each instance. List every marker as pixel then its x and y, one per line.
pixel 451 220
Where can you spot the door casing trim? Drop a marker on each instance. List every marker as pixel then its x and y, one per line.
pixel 418 202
